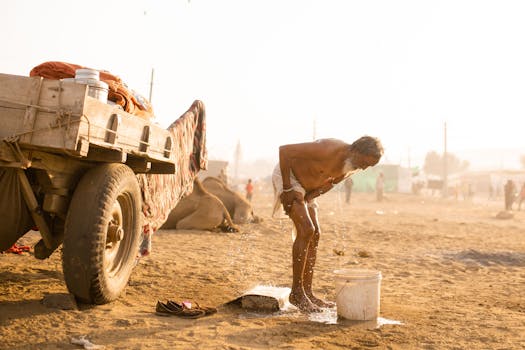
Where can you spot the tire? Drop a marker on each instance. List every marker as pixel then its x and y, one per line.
pixel 98 257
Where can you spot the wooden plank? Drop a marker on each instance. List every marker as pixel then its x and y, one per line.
pixel 98 121
pixel 31 110
pixel 11 119
pixel 15 89
pixel 55 131
pixel 58 163
pixel 163 168
pixel 154 158
pixel 66 115
pixel 49 130
pixel 50 105
pixel 106 155
pixel 68 96
pixel 20 90
pixel 130 131
pixel 139 165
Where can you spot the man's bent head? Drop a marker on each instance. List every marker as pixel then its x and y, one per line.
pixel 366 151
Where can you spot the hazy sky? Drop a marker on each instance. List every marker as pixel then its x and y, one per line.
pixel 267 69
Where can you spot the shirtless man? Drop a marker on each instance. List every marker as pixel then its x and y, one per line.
pixel 305 171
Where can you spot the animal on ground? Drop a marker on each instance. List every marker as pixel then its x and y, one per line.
pixel 200 210
pixel 240 208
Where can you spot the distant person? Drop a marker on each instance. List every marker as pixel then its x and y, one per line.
pixel 380 187
pixel 470 191
pixel 510 194
pixel 521 196
pixel 305 171
pixel 349 184
pixel 249 190
pixel 456 191
pixel 467 191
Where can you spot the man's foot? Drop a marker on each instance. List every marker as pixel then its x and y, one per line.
pixel 303 303
pixel 320 302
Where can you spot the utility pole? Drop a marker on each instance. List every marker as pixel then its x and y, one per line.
pixel 445 158
pixel 151 85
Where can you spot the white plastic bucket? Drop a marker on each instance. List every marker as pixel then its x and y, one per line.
pixel 86 73
pixel 97 89
pixel 358 293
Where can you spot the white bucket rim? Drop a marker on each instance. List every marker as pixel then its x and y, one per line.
pixel 87 72
pixel 358 274
pixel 92 82
pixel 86 81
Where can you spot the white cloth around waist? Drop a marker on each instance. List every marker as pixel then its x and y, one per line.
pixel 277 181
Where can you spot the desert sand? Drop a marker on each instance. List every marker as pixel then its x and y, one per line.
pixel 453 277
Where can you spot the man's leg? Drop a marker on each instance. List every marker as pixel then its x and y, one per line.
pixel 310 261
pixel 305 233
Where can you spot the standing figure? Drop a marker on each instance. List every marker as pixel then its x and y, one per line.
pixel 349 183
pixel 249 190
pixel 305 171
pixel 380 186
pixel 510 194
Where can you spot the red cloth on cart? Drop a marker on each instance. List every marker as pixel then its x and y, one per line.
pixel 118 91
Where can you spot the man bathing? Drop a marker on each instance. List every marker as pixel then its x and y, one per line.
pixel 305 171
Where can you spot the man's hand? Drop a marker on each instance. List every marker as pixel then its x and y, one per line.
pixel 287 198
pixel 327 186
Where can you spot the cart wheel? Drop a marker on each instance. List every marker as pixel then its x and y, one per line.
pixel 102 233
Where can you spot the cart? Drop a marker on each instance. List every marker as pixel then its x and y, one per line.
pixel 68 166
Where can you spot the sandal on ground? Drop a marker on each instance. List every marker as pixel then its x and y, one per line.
pixel 207 309
pixel 162 309
pixel 171 308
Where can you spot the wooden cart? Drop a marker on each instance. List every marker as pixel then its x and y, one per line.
pixel 74 161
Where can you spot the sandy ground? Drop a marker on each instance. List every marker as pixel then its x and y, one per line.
pixel 453 274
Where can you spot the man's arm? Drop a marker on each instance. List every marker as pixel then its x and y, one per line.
pixel 308 151
pixel 285 163
pixel 340 178
pixel 327 186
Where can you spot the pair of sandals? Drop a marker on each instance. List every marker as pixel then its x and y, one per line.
pixel 184 309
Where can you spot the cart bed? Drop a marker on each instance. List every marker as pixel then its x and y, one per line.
pixel 59 117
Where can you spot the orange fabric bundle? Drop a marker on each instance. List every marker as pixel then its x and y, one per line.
pixel 118 91
pixel 17 249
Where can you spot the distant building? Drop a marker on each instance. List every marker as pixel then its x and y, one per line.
pixel 216 168
pixel 492 182
pixel 397 179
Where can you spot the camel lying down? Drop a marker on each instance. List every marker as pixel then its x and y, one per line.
pixel 240 208
pixel 200 210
